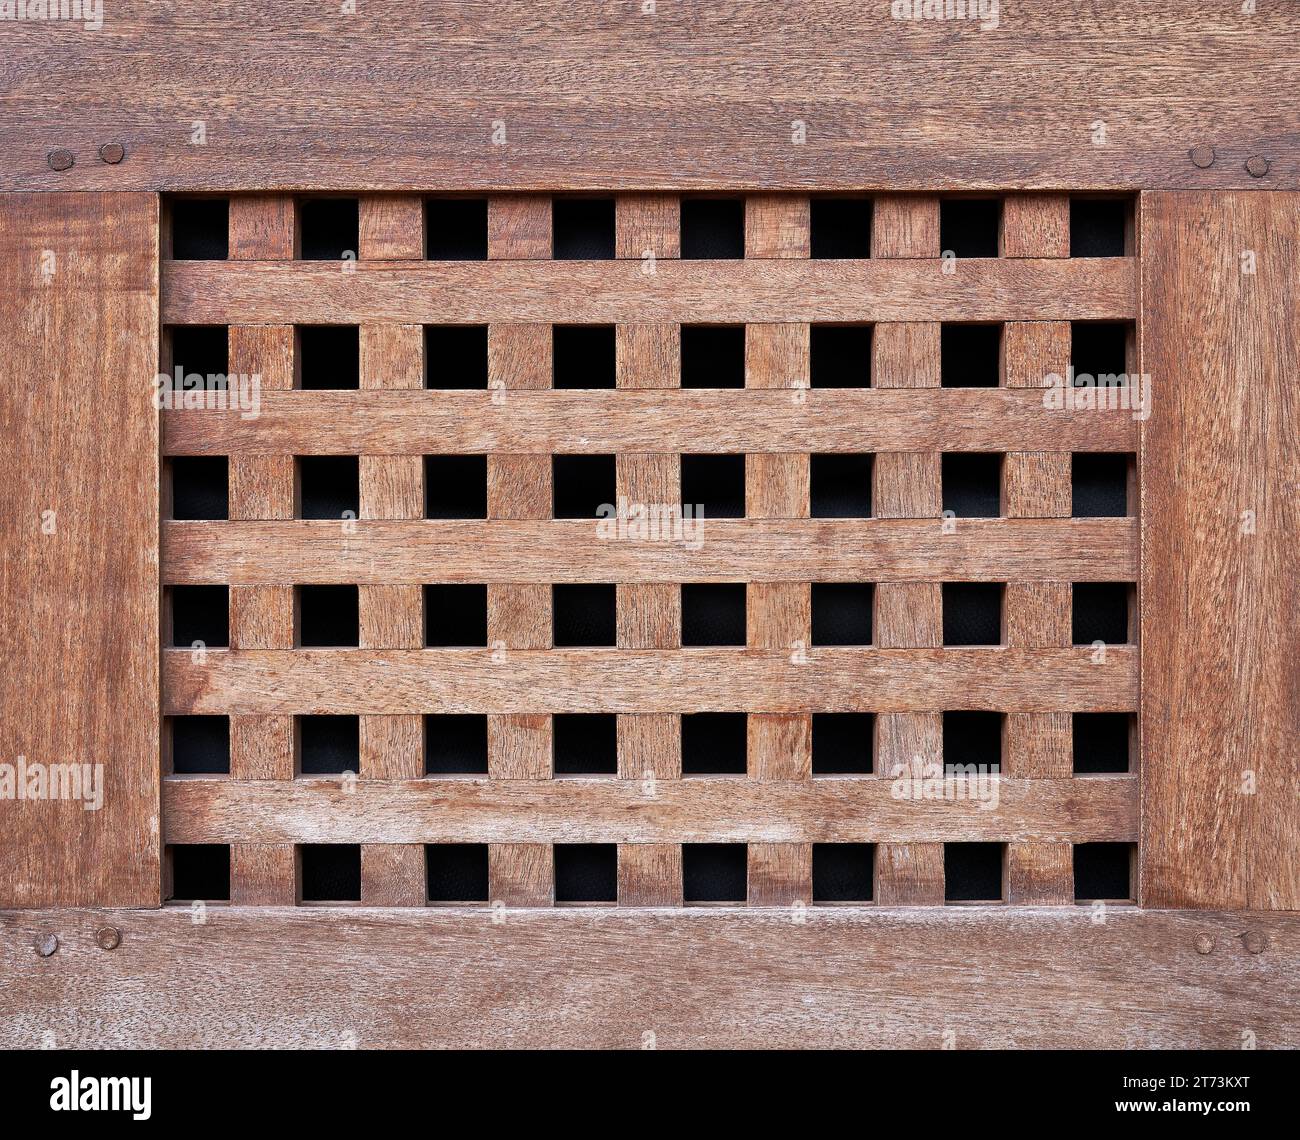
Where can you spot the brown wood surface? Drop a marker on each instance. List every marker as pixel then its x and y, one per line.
pixel 1221 470
pixel 79 612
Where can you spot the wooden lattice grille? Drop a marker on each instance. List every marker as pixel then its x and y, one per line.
pixel 267 811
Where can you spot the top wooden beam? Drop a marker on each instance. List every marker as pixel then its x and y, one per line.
pixel 488 94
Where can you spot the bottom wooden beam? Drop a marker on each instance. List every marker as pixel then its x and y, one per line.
pixel 598 977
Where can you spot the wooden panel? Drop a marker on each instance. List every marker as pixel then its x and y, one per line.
pixel 1221 460
pixel 79 576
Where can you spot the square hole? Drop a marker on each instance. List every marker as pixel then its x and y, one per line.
pixel 583 356
pixel 200 744
pixel 843 872
pixel 713 613
pixel 584 615
pixel 455 486
pixel 1102 742
pixel 329 745
pixel 331 872
pixel 329 486
pixel 714 744
pixel 456 872
pixel 1103 871
pixel 972 872
pixel 455 744
pixel 968 227
pixel 839 356
pixel 1100 612
pixel 1099 353
pixel 455 229
pixel 455 356
pixel 327 616
pixel 582 229
pixel 1098 226
pixel 582 485
pixel 327 228
pixel 841 613
pixel 1099 484
pixel 843 744
pixel 970 356
pixel 200 614
pixel 714 872
pixel 972 737
pixel 585 744
pixel 714 485
pixel 713 356
pixel 455 616
pixel 972 613
pixel 201 351
pixel 713 228
pixel 839 227
pixel 200 871
pixel 586 872
pixel 329 357
pixel 200 229
pixel 972 483
pixel 200 486
pixel 840 486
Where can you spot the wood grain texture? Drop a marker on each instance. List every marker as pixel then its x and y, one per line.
pixel 1221 468
pixel 79 612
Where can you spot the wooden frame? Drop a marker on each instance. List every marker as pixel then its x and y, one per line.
pixel 1207 281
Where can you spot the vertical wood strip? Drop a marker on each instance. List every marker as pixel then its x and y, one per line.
pixel 262 228
pixel 263 874
pixel 391 227
pixel 392 874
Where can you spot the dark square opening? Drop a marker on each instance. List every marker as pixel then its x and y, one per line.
pixel 455 356
pixel 1099 350
pixel 972 737
pixel 713 613
pixel 583 356
pixel 972 872
pixel 584 615
pixel 970 356
pixel 329 486
pixel 840 486
pixel 585 744
pixel 200 486
pixel 839 356
pixel 455 615
pixel 843 744
pixel 969 227
pixel 714 485
pixel 327 616
pixel 972 613
pixel 582 229
pixel 1103 871
pixel 972 483
pixel 843 872
pixel 457 872
pixel 202 351
pixel 582 485
pixel 455 229
pixel 455 744
pixel 329 357
pixel 586 872
pixel 713 228
pixel 713 356
pixel 200 613
pixel 714 872
pixel 1102 742
pixel 200 229
pixel 1097 226
pixel 841 613
pixel 328 228
pixel 1099 484
pixel 714 744
pixel 200 744
pixel 839 227
pixel 331 872
pixel 329 745
pixel 1100 612
pixel 455 486
pixel 200 871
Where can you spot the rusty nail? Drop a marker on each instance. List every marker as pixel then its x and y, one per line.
pixel 112 152
pixel 1204 944
pixel 1257 166
pixel 108 937
pixel 1255 941
pixel 60 159
pixel 46 944
pixel 1201 156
